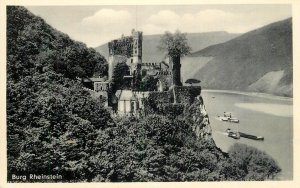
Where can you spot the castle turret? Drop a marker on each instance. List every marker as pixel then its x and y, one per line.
pixel 119 51
pixel 136 59
pixel 137 37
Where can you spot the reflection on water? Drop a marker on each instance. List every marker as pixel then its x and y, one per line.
pixel 262 116
pixel 273 109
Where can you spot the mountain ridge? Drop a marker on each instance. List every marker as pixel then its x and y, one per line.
pixel 197 41
pixel 245 61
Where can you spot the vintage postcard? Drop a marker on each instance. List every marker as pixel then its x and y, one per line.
pixel 176 94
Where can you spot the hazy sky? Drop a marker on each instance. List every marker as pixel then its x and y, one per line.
pixel 95 25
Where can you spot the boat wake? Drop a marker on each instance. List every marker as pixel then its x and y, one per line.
pixel 218 118
pixel 220 132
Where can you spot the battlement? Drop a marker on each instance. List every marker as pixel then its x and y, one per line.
pixel 123 47
pixel 128 46
pixel 127 49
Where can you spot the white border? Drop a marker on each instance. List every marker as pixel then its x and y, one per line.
pixel 296 58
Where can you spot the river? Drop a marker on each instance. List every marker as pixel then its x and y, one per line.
pixel 259 114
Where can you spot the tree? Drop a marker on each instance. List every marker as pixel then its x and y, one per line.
pixel 252 164
pixel 176 46
pixel 52 121
pixel 149 83
pixel 118 81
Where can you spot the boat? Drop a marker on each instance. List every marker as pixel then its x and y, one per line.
pixel 228 117
pixel 223 118
pixel 249 136
pixel 233 134
pixel 228 114
pixel 237 135
pixel 233 120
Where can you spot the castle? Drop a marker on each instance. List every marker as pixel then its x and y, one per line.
pixel 128 49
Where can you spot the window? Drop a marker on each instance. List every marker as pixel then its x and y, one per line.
pixel 132 106
pixel 124 106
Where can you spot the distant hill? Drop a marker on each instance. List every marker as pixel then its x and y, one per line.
pixel 197 41
pixel 259 61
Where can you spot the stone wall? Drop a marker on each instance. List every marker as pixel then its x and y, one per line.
pixel 185 94
pixel 174 99
pixel 122 46
pixel 101 86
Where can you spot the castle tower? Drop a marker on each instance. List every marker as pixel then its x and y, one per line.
pixel 136 59
pixel 111 62
pixel 176 68
pixel 127 49
pixel 137 46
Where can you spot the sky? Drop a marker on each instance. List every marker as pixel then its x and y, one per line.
pixel 96 25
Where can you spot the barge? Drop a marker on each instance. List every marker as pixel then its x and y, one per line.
pixel 249 136
pixel 237 135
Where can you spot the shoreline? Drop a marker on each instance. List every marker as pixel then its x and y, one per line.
pixel 252 94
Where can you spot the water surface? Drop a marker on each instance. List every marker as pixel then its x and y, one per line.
pixel 267 116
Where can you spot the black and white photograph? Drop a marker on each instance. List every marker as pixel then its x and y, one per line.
pixel 149 93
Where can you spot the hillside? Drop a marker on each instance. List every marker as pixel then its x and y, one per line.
pixel 197 41
pixel 50 117
pixel 259 61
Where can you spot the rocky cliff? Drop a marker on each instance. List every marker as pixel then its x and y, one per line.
pixel 200 119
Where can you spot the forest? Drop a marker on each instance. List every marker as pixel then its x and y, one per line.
pixel 54 126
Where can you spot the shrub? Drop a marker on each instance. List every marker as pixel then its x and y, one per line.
pixel 249 163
